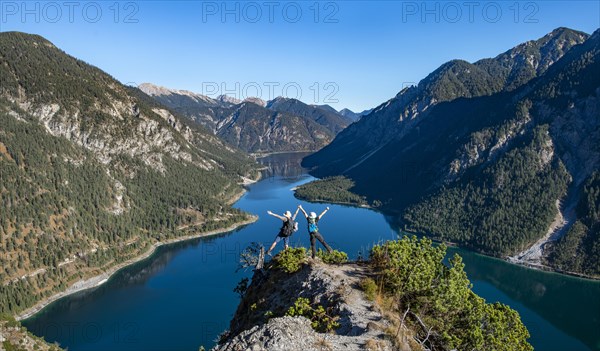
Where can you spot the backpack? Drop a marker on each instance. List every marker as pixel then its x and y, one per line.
pixel 312 226
pixel 288 228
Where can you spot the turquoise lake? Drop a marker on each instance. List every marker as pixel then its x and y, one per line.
pixel 182 296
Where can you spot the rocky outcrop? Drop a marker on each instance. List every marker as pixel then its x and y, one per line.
pixel 148 139
pixel 295 333
pixel 335 287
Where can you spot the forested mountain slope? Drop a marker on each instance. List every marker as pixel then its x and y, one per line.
pixel 94 173
pixel 325 116
pixel 488 171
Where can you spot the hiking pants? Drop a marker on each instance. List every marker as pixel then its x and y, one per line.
pixel 317 236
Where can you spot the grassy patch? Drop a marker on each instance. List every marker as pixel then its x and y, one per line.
pixel 319 318
pixel 333 257
pixel 369 287
pixel 290 260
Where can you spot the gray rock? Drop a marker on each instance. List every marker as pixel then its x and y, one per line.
pixel 335 287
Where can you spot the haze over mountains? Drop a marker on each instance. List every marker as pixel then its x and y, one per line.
pixel 480 154
pixel 255 125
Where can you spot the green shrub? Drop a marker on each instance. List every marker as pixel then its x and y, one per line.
pixel 10 320
pixel 320 321
pixel 413 272
pixel 369 287
pixel 333 257
pixel 290 260
pixel 408 265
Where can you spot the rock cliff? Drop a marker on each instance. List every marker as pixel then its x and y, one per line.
pixel 335 287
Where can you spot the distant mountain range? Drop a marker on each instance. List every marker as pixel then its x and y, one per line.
pixel 353 116
pixel 255 125
pixel 481 154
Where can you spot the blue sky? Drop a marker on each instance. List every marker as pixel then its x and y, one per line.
pixel 358 53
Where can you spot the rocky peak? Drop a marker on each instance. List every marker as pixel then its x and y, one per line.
pixel 331 120
pixel 228 99
pixel 276 101
pixel 154 90
pixel 335 287
pixel 256 101
pixel 326 108
pixel 159 91
pixel 394 119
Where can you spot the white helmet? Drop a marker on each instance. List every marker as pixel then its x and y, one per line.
pixel 313 215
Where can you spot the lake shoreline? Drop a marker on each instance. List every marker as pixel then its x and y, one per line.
pixel 560 307
pixel 266 154
pixel 509 259
pixel 319 201
pixel 544 268
pixel 98 280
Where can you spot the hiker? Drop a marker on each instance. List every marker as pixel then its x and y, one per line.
pixel 313 229
pixel 287 229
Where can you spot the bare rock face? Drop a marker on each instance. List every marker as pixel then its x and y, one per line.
pixel 294 333
pixel 335 287
pixel 397 117
pixel 256 100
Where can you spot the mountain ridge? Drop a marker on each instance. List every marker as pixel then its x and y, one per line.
pixel 451 80
pixel 255 125
pixel 95 172
pixel 441 167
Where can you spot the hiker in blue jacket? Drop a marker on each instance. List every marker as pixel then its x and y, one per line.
pixel 287 229
pixel 313 229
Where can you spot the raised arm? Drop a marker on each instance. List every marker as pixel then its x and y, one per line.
pixel 276 215
pixel 295 213
pixel 303 211
pixel 323 213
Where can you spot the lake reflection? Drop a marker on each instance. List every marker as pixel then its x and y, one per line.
pixel 283 165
